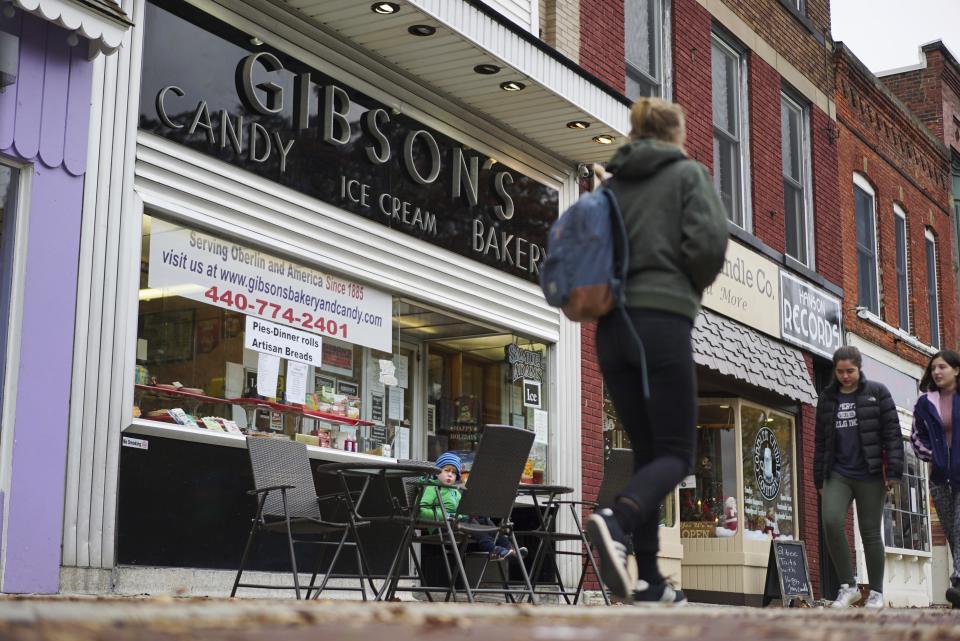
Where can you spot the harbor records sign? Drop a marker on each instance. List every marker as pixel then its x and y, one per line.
pixel 809 316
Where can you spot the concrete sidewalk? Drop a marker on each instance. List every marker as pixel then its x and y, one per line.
pixel 166 618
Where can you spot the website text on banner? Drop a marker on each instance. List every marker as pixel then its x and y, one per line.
pixel 211 270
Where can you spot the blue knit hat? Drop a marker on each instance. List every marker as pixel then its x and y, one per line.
pixel 449 458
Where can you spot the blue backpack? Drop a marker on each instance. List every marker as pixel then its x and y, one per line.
pixel 585 271
pixel 586 265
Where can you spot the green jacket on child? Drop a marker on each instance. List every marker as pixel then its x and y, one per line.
pixel 433 495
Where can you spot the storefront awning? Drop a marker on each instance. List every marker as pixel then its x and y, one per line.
pixel 549 92
pixel 102 22
pixel 734 350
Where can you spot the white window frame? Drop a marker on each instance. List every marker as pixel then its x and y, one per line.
pixel 10 380
pixel 806 183
pixel 900 215
pixel 743 133
pixel 931 244
pixel 659 10
pixel 862 183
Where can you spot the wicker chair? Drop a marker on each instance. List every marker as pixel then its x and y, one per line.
pixel 289 505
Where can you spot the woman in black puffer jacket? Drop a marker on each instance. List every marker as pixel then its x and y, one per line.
pixel 857 432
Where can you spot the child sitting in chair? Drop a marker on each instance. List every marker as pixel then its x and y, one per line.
pixel 447 492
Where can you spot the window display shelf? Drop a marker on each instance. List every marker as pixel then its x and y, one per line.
pixel 176 393
pixel 300 411
pixel 149 427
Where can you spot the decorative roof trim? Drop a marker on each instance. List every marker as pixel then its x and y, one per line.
pixel 735 350
pixel 102 23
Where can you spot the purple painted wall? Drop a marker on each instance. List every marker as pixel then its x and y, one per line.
pixel 44 118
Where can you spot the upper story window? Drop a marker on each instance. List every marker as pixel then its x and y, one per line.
pixel 643 47
pixel 865 213
pixel 931 246
pixel 903 282
pixel 795 148
pixel 729 144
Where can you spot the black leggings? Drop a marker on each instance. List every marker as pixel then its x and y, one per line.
pixel 662 430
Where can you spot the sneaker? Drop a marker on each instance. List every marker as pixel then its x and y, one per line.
pixel 875 600
pixel 847 596
pixel 953 595
pixel 523 552
pixel 501 554
pixel 658 594
pixel 610 541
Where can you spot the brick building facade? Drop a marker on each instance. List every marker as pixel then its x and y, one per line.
pixel 895 191
pixel 780 51
pixel 851 124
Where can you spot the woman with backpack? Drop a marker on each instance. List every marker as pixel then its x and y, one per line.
pixel 934 440
pixel 677 231
pixel 857 429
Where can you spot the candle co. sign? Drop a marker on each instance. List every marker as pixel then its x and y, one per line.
pixel 271 114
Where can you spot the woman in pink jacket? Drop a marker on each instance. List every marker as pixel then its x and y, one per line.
pixel 935 440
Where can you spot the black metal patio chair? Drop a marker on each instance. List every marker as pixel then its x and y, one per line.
pixel 617 471
pixel 490 493
pixel 288 505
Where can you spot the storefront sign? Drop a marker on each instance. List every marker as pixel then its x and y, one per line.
pixel 524 363
pixel 698 529
pixel 810 317
pixel 270 338
pixel 767 463
pixel 531 393
pixel 258 109
pixel 747 290
pixel 193 264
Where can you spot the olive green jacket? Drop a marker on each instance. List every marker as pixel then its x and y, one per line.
pixel 676 223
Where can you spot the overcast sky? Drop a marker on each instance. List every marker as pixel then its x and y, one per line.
pixel 887 34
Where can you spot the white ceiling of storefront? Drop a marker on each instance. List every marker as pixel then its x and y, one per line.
pixel 555 93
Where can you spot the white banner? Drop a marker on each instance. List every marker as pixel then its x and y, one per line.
pixel 202 267
pixel 293 345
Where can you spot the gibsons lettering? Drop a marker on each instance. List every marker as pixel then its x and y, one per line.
pixel 271 114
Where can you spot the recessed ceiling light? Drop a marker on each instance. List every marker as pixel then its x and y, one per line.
pixel 512 85
pixel 578 124
pixel 421 30
pixel 486 69
pixel 604 139
pixel 385 8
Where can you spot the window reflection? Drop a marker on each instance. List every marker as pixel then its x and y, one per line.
pixel 708 497
pixel 616 437
pixel 905 513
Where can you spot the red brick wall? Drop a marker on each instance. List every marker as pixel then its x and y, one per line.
pixel 791 39
pixel 602 54
pixel 920 91
pixel 807 492
pixel 765 152
pixel 826 197
pixel 601 40
pixel 692 76
pixel 878 141
pixel 933 94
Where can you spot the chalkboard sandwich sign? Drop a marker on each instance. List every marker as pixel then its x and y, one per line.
pixel 788 575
